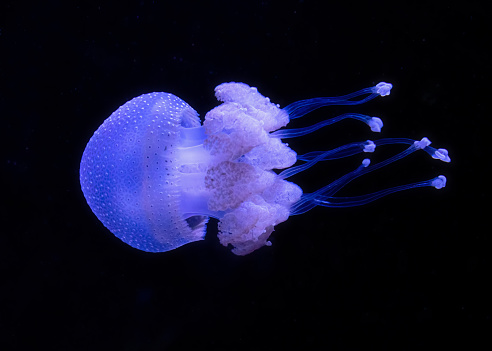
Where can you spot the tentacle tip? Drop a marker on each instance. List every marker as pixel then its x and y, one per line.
pixel 375 123
pixel 366 162
pixel 422 143
pixel 439 182
pixel 441 154
pixel 369 146
pixel 382 88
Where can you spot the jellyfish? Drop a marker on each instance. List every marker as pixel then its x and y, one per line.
pixel 153 174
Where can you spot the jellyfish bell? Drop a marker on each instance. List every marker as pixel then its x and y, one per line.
pixel 153 174
pixel 129 175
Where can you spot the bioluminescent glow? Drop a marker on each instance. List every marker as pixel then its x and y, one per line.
pixel 153 174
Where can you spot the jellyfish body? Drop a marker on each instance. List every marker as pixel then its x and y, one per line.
pixel 153 175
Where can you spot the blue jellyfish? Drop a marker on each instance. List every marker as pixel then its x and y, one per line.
pixel 153 174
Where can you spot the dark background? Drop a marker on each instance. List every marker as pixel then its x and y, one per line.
pixel 407 272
